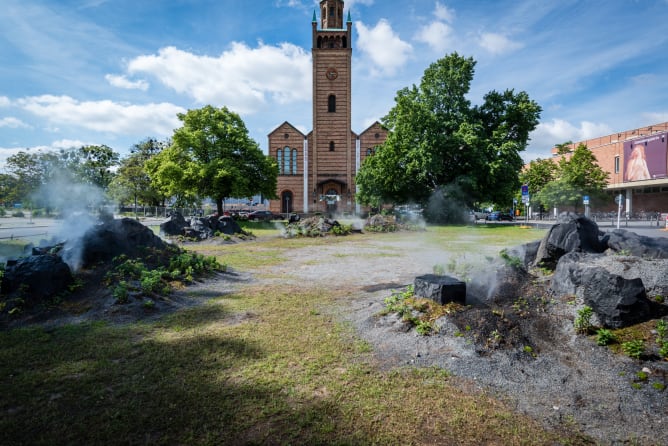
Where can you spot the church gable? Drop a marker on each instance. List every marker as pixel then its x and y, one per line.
pixel 371 138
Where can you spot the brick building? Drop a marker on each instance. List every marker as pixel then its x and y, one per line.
pixel 637 163
pixel 317 170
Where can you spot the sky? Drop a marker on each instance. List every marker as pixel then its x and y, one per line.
pixel 116 72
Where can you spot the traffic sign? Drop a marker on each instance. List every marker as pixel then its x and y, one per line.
pixel 619 198
pixel 525 189
pixel 585 199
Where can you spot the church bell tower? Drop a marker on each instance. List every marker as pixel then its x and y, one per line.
pixel 333 143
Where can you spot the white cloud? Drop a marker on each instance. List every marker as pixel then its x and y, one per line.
pixel 444 13
pixel 12 123
pixel 557 131
pixel 497 43
pixel 241 78
pixel 105 116
pixel 383 47
pixel 437 35
pixel 4 101
pixel 124 82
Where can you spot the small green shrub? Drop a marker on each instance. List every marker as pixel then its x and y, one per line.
pixel 634 349
pixel 424 328
pixel 662 330
pixel 659 299
pixel 121 293
pixel 512 261
pixel 659 386
pixel 582 321
pixel 604 337
pixel 342 229
pixel 151 282
pixel 663 350
pixel 148 304
pixel 641 376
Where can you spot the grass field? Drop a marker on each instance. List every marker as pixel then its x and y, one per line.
pixel 263 366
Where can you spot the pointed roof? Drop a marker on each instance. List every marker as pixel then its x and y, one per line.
pixel 314 19
pixel 348 20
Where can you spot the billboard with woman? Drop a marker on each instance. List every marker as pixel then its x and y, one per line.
pixel 646 158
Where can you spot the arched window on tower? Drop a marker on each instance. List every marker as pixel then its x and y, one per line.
pixel 331 146
pixel 279 160
pixel 286 161
pixel 331 103
pixel 294 161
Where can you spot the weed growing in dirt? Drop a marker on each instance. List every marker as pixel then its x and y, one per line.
pixel 604 337
pixel 512 261
pixel 634 349
pixel 129 275
pixel 582 321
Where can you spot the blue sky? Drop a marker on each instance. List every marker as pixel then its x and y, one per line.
pixel 116 72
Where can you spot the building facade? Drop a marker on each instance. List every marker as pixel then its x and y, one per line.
pixel 317 170
pixel 637 163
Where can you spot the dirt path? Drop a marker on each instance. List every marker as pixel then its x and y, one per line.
pixel 566 381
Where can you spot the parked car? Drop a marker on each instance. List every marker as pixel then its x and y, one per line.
pixel 479 214
pixel 499 216
pixel 264 216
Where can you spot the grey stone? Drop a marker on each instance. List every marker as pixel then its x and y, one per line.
pixel 36 277
pixel 571 233
pixel 441 289
pixel 618 302
pixel 628 242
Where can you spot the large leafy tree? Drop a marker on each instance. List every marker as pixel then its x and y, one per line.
pixel 213 156
pixel 537 175
pixel 132 182
pixel 578 175
pixel 438 139
pixel 93 165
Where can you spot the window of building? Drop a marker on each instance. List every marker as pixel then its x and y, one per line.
pixel 286 161
pixel 331 146
pixel 279 160
pixel 294 161
pixel 331 103
pixel 617 164
pixel 369 152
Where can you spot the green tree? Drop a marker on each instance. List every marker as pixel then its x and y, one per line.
pixel 537 175
pixel 213 156
pixel 93 165
pixel 8 188
pixel 437 139
pixel 578 175
pixel 132 182
pixel 564 147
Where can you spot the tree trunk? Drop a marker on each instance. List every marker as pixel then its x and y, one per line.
pixel 219 206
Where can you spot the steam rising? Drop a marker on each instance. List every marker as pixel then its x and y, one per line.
pixel 76 203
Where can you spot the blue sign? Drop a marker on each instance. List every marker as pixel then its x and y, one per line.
pixel 585 199
pixel 525 189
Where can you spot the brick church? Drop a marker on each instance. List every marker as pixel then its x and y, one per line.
pixel 317 170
